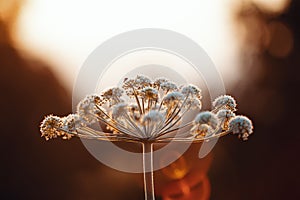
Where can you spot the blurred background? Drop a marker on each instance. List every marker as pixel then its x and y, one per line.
pixel 254 43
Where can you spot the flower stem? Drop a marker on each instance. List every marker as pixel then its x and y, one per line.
pixel 148 171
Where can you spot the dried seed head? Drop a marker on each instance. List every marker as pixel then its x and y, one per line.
pixel 242 126
pixel 153 116
pixel 159 81
pixel 51 127
pixel 173 98
pixel 113 95
pixel 119 110
pixel 192 91
pixel 149 93
pixel 87 111
pixel 72 122
pixel 193 104
pixel 208 118
pixel 168 86
pixel 224 116
pixel 202 131
pixel 142 81
pixel 225 101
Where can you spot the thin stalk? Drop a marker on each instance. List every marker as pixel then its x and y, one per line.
pixel 148 170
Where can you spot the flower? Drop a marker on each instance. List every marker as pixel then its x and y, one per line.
pixel 193 104
pixel 173 98
pixel 113 95
pixel 86 109
pixel 142 81
pixel 119 110
pixel 153 116
pixel 51 127
pixel 242 126
pixel 168 86
pixel 153 112
pixel 191 90
pixel 72 122
pixel 149 93
pixel 225 101
pixel 159 81
pixel 224 116
pixel 202 130
pixel 207 118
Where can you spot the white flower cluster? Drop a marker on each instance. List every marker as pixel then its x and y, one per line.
pixel 153 111
pixel 242 126
pixel 222 119
pixel 51 127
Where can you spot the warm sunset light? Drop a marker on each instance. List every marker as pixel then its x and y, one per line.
pixel 65 32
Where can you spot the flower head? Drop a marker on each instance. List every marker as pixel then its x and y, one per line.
pixel 159 81
pixel 153 117
pixel 224 116
pixel 153 112
pixel 51 127
pixel 173 98
pixel 119 110
pixel 149 93
pixel 86 109
pixel 202 131
pixel 142 81
pixel 225 101
pixel 208 118
pixel 113 95
pixel 191 90
pixel 72 122
pixel 242 126
pixel 168 86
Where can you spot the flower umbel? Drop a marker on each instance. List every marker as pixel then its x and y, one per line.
pixel 153 112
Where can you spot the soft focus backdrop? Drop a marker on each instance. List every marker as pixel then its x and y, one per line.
pixel 254 43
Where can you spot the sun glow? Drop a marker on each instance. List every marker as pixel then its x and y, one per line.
pixel 64 32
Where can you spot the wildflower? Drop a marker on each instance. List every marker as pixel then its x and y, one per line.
pixel 149 114
pixel 113 95
pixel 149 93
pixel 242 126
pixel 224 116
pixel 153 117
pixel 119 110
pixel 208 118
pixel 173 98
pixel 142 81
pixel 51 127
pixel 193 104
pixel 158 82
pixel 225 101
pixel 202 130
pixel 72 122
pixel 191 90
pixel 87 111
pixel 168 86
